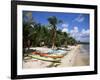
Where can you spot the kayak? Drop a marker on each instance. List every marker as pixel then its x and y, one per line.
pixel 45 58
pixel 49 55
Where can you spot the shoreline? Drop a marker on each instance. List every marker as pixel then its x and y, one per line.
pixel 71 59
pixel 75 58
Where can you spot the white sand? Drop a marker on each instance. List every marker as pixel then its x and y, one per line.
pixel 33 63
pixel 41 49
pixel 75 58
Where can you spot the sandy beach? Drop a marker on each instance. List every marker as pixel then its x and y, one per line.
pixel 48 42
pixel 74 57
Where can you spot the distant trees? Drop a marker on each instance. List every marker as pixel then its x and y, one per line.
pixel 71 41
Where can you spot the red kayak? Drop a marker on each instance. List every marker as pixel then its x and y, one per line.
pixel 47 55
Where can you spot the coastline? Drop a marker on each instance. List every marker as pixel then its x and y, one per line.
pixel 75 58
pixel 72 58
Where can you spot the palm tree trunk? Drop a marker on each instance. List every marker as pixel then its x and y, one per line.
pixel 28 44
pixel 54 38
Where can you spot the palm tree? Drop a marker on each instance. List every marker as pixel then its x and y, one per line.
pixel 71 41
pixel 53 21
pixel 28 23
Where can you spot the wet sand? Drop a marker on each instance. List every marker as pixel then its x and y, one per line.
pixel 75 58
pixel 81 60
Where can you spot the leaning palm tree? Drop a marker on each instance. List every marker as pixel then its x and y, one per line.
pixel 53 21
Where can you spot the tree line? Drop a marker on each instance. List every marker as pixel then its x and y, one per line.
pixel 36 34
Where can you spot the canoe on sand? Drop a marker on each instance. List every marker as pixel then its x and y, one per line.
pixel 48 55
pixel 45 58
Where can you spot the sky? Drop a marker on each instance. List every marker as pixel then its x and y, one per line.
pixel 76 24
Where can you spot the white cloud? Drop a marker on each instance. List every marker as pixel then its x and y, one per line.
pixel 74 31
pixel 64 25
pixel 65 28
pixel 80 18
pixel 82 35
pixel 85 31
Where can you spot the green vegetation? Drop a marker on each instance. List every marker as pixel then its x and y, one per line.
pixel 36 34
pixel 53 22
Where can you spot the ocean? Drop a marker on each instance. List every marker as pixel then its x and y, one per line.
pixel 85 49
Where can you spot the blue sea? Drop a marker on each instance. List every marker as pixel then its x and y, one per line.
pixel 85 49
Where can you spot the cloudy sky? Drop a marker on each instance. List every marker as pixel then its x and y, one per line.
pixel 76 24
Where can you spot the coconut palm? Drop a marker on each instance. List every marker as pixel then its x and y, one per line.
pixel 53 21
pixel 28 23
